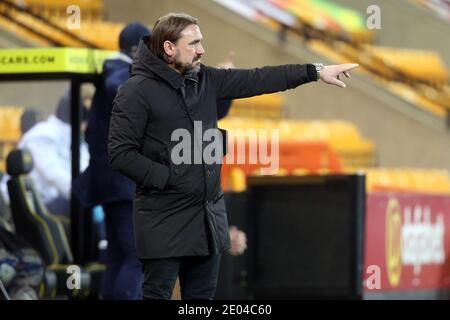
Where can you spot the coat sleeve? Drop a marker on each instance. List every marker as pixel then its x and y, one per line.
pixel 129 119
pixel 241 83
pixel 113 82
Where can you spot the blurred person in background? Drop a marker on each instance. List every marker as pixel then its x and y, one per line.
pixel 29 118
pixel 49 143
pixel 238 238
pixel 99 185
pixel 238 241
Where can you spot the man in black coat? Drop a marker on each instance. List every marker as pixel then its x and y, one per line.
pixel 180 219
pixel 99 185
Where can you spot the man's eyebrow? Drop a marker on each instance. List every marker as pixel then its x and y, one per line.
pixel 195 41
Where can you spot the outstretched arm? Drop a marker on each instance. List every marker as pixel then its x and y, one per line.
pixel 240 83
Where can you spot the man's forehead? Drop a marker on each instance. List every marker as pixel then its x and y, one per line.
pixel 193 32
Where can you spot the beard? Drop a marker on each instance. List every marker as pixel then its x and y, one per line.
pixel 185 68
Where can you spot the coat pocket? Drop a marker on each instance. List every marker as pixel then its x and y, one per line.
pixel 218 225
pixel 156 150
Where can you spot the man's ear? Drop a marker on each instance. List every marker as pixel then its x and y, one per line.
pixel 169 49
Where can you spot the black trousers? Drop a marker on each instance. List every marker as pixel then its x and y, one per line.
pixel 197 275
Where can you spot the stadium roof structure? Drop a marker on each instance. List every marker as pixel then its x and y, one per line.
pixel 76 65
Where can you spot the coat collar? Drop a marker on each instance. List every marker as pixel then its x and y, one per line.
pixel 146 63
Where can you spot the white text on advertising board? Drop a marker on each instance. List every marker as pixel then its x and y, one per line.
pixel 422 240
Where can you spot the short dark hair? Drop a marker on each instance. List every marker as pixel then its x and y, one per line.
pixel 169 28
pixel 29 118
pixel 63 110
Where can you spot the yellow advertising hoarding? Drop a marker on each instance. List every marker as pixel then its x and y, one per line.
pixel 52 60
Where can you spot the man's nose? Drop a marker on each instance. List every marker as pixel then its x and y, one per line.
pixel 200 50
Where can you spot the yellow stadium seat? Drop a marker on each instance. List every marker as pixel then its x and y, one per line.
pixel 238 182
pixel 406 180
pixel 10 131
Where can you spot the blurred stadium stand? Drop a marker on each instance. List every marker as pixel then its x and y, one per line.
pixel 391 123
pixel 440 7
pixel 10 132
pixel 403 106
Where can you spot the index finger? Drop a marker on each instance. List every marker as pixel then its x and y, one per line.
pixel 348 66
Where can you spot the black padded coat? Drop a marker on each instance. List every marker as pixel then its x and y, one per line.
pixel 179 209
